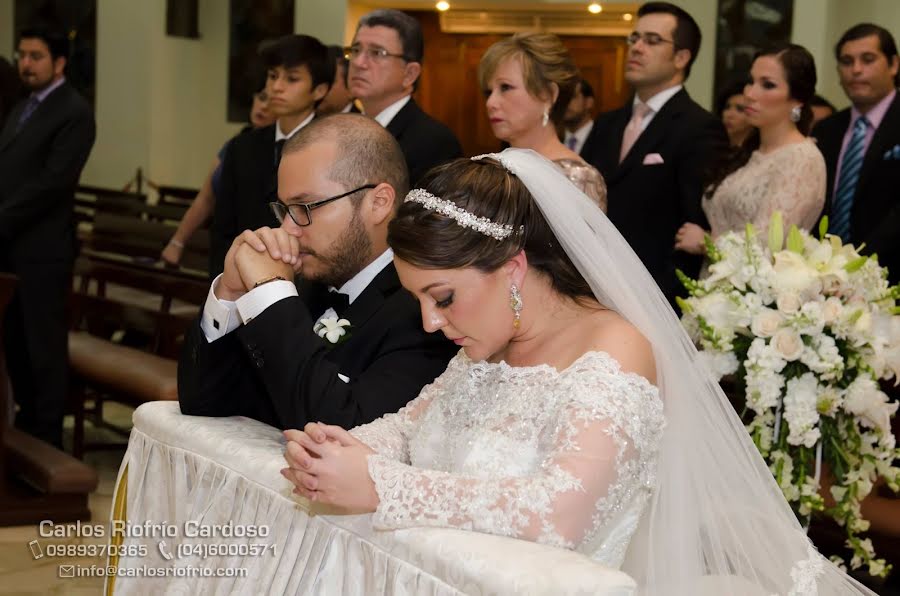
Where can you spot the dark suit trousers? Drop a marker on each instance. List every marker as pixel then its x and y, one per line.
pixel 36 343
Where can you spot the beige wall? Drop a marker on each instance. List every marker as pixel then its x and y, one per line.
pixel 6 29
pixel 161 101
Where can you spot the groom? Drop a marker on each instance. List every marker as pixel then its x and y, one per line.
pixel 254 351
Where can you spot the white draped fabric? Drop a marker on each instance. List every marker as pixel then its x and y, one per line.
pixel 225 472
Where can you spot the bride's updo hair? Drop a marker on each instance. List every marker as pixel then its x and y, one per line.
pixel 484 188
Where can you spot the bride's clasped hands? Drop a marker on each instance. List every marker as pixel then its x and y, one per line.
pixel 329 465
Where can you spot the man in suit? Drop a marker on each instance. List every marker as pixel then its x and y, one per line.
pixel 385 63
pixel 43 147
pixel 579 116
pixel 256 351
pixel 861 146
pixel 299 75
pixel 653 153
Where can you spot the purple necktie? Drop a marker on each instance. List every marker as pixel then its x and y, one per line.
pixel 570 142
pixel 30 107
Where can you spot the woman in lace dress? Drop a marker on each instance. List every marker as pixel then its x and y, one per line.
pixel 575 414
pixel 528 80
pixel 548 415
pixel 778 168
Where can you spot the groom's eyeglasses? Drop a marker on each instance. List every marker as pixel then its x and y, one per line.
pixel 301 213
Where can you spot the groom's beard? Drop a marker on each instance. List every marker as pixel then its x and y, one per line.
pixel 346 257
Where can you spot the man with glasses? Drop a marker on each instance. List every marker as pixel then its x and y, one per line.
pixel 43 147
pixel 653 152
pixel 299 75
pixel 385 64
pixel 263 350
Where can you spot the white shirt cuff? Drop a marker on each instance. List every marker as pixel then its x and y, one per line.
pixel 251 304
pixel 220 317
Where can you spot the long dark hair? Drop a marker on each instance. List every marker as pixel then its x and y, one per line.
pixel 484 188
pixel 800 73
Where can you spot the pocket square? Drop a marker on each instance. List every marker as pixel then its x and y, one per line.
pixel 892 153
pixel 653 159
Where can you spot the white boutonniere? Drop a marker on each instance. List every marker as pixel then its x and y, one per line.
pixel 333 329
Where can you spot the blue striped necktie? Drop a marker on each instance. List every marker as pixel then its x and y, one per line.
pixel 846 184
pixel 27 111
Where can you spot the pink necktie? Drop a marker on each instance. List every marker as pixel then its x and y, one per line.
pixel 633 129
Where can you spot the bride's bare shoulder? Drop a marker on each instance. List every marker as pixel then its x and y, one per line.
pixel 613 334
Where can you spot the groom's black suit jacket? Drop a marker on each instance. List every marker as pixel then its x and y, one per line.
pixel 277 370
pixel 649 201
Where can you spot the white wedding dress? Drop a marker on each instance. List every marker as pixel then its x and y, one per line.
pixel 562 458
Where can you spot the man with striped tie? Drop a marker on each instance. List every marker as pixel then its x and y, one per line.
pixel 861 146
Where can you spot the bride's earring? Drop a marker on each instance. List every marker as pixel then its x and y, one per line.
pixel 545 120
pixel 515 303
pixel 795 114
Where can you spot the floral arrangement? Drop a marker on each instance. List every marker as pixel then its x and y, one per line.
pixel 807 327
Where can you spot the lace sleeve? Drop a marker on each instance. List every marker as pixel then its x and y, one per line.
pixel 603 440
pixel 796 188
pixel 389 435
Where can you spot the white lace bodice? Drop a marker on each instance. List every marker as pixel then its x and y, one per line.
pixel 791 180
pixel 563 458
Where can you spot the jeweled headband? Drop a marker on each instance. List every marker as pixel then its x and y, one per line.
pixel 459 215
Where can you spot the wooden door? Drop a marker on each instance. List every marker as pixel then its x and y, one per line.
pixel 449 89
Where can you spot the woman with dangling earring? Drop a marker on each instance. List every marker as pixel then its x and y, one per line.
pixel 778 168
pixel 528 81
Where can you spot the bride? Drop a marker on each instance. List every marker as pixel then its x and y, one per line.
pixel 575 414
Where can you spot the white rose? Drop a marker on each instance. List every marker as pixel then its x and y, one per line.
pixel 788 344
pixel 788 302
pixel 832 309
pixel 832 285
pixel 766 323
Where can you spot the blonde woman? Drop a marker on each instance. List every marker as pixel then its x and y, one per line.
pixel 528 80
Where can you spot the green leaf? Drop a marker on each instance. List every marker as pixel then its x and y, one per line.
pixel 795 240
pixel 689 284
pixel 823 227
pixel 776 232
pixel 712 252
pixel 855 264
pixel 683 304
pixel 750 232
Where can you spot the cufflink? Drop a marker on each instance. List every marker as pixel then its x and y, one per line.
pixel 216 324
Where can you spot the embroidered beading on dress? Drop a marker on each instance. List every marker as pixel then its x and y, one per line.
pixel 563 458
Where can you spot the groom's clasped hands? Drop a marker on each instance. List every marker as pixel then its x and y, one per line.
pixel 257 256
pixel 329 465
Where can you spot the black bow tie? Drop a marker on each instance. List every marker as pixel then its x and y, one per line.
pixel 339 302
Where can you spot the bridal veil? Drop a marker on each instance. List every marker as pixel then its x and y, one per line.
pixel 718 522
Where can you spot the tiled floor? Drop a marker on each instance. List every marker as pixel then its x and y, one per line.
pixel 22 574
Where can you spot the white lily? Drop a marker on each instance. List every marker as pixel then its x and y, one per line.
pixel 332 329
